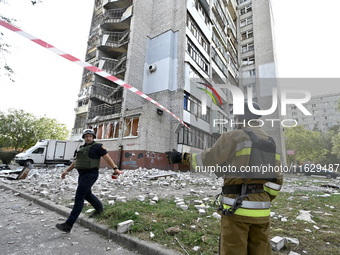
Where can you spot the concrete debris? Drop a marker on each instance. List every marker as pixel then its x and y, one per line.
pixel 196 248
pixel 152 235
pixel 331 186
pixel 202 212
pixel 305 216
pixel 316 227
pixel 308 230
pixel 324 195
pixel 216 215
pixel 124 226
pixel 157 176
pixel 292 240
pixel 277 243
pixel 90 210
pixel 184 207
pixel 293 253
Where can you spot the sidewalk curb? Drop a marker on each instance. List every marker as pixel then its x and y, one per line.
pixel 143 247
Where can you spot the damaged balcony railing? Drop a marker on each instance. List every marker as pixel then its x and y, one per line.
pixel 114 66
pixel 106 93
pixel 113 15
pixel 115 39
pixel 104 109
pixel 87 77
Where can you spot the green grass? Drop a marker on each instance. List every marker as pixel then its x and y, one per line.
pixel 156 218
pixel 313 242
pixel 161 216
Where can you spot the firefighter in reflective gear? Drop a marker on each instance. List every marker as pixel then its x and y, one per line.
pixel 87 163
pixel 246 195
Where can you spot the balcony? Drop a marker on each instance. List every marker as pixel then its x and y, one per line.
pixel 232 9
pixel 104 110
pixel 113 66
pixel 117 19
pixel 114 4
pixel 106 93
pixel 114 41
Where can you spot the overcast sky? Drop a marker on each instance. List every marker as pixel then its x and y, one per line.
pixel 306 34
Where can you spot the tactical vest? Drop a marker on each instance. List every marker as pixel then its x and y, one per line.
pixel 262 154
pixel 83 160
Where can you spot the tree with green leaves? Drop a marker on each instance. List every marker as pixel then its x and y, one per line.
pixel 307 145
pixel 20 130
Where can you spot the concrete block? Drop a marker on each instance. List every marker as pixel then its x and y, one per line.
pixel 201 212
pixel 184 207
pixel 216 215
pixel 277 243
pixel 179 204
pixel 141 198
pixel 124 226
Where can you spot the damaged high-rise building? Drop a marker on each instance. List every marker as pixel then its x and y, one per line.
pixel 174 51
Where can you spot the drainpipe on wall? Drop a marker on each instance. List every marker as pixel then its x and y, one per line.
pixel 120 153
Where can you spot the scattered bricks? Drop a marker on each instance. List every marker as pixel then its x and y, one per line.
pixel 198 202
pixel 124 226
pixel 277 243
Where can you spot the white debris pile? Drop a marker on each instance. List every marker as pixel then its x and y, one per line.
pixel 142 184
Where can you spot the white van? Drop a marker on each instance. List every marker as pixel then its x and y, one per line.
pixel 49 152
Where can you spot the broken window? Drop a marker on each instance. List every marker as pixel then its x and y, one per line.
pixel 131 127
pixel 107 130
pixel 113 129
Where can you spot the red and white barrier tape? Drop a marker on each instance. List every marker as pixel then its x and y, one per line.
pixel 86 65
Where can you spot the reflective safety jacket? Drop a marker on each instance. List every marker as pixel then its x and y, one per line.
pixel 232 152
pixel 83 161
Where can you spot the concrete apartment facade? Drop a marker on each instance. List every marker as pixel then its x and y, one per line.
pixel 324 110
pixel 164 49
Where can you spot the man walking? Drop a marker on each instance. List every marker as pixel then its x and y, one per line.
pixel 87 163
pixel 248 191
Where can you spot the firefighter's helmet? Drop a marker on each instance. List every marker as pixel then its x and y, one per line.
pixel 89 131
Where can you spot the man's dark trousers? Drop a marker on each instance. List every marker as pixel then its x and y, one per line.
pixel 85 183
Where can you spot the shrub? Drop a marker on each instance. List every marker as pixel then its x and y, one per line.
pixel 7 156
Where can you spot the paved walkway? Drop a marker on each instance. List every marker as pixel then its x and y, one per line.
pixel 27 228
